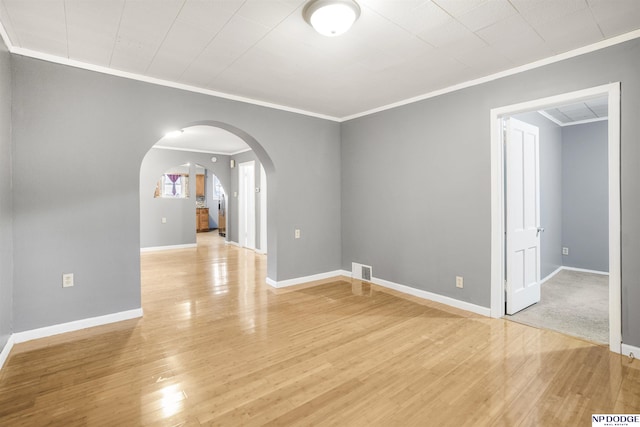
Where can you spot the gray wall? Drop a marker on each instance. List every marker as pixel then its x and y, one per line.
pixel 550 191
pixel 6 210
pixel 180 227
pixel 232 217
pixel 430 162
pixel 585 207
pixel 80 138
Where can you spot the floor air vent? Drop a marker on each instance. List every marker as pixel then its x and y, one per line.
pixel 366 273
pixel 361 271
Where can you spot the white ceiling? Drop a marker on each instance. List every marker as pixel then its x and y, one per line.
pixel 580 112
pixel 264 50
pixel 204 139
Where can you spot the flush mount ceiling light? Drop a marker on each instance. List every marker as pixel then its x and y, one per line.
pixel 174 134
pixel 331 17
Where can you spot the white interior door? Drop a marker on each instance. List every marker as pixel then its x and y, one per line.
pixel 246 205
pixel 523 215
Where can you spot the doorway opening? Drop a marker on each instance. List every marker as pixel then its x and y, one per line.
pixel 509 262
pixel 208 153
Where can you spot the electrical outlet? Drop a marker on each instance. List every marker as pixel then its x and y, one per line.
pixel 297 233
pixel 164 220
pixel 565 251
pixel 67 280
pixel 459 282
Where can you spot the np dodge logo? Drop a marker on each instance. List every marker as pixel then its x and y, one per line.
pixel 615 420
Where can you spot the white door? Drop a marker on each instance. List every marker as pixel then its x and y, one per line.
pixel 523 216
pixel 246 205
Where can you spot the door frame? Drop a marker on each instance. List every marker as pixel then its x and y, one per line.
pixel 612 91
pixel 263 211
pixel 249 211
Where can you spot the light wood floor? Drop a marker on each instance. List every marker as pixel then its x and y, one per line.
pixel 217 346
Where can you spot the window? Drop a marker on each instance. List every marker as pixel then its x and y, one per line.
pixel 173 186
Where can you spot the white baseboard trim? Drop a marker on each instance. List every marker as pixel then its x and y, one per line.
pixel 312 278
pixel 232 243
pixel 628 349
pixel 584 270
pixel 550 275
pixel 261 252
pixel 4 355
pixel 483 311
pixel 76 325
pixel 168 248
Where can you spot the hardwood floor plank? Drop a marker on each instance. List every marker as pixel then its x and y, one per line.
pixel 217 346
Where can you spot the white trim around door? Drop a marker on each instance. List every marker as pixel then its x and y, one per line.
pixel 612 91
pixel 247 204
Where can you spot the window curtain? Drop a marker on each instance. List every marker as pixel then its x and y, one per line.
pixel 173 178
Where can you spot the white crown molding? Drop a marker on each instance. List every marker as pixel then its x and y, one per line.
pixel 584 122
pixel 522 68
pixel 550 117
pixel 193 150
pixel 133 76
pixel 240 152
pixel 526 67
pixel 576 122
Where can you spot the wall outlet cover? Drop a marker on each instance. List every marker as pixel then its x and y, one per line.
pixel 67 280
pixel 459 282
pixel 565 251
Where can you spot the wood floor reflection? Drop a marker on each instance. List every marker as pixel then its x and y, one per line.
pixel 217 346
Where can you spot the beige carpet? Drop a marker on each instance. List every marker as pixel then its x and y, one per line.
pixel 574 303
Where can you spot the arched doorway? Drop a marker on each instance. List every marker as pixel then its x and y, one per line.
pixel 222 164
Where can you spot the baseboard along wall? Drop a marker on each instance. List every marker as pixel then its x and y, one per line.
pixel 168 248
pixel 48 331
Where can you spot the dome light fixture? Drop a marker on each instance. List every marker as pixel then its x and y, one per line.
pixel 174 133
pixel 331 17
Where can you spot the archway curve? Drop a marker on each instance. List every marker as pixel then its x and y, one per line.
pixel 257 148
pixel 270 172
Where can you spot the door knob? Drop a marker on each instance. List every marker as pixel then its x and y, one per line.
pixel 539 229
